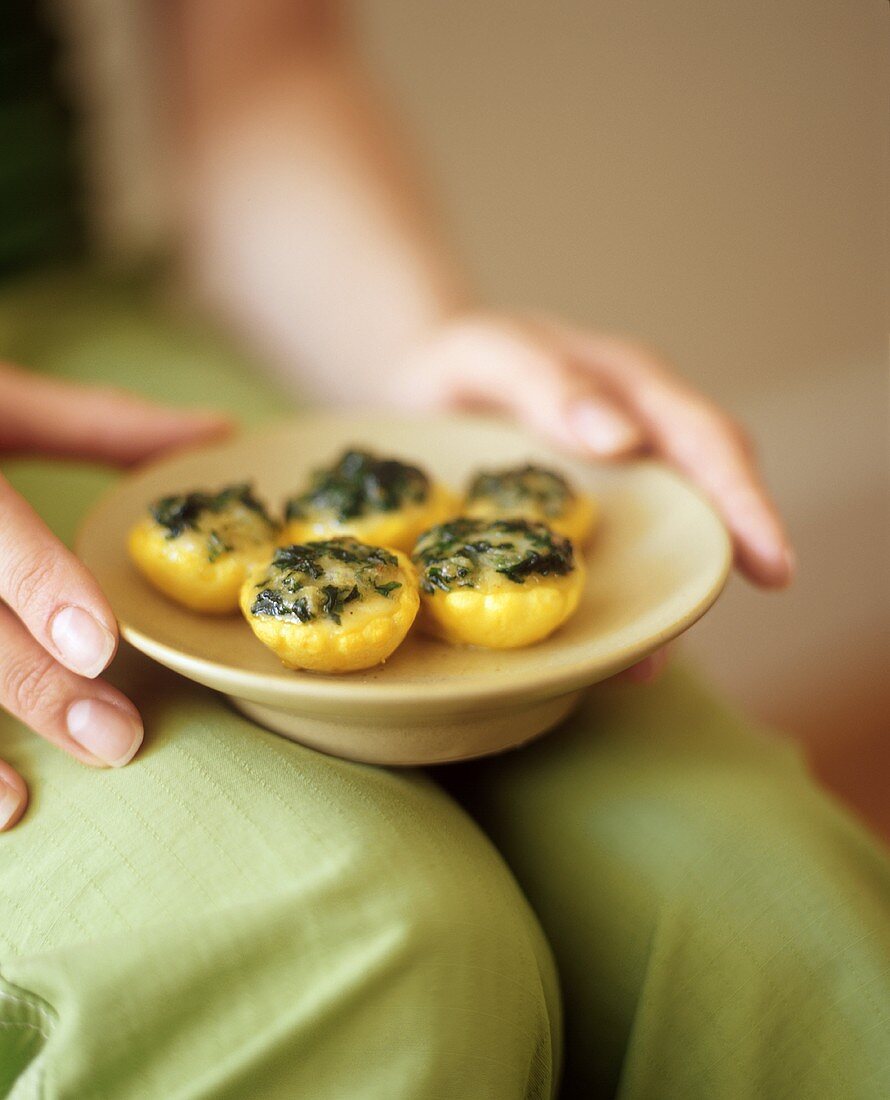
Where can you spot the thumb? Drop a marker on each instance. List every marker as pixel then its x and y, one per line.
pixel 46 416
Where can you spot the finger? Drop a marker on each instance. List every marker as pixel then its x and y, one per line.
pixel 51 591
pixel 706 447
pixel 517 370
pixel 705 444
pixel 89 719
pixel 599 427
pixel 647 670
pixel 46 416
pixel 13 796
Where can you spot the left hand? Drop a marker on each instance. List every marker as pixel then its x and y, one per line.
pixel 608 398
pixel 57 629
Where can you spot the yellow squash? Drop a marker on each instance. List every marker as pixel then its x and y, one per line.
pixel 500 584
pixel 198 548
pixel 533 493
pixel 362 631
pixel 381 501
pixel 399 528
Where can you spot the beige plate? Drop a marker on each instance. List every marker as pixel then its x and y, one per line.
pixel 658 561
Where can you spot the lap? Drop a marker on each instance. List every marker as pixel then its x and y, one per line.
pixel 232 909
pixel 721 928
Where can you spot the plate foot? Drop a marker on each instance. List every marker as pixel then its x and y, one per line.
pixel 413 740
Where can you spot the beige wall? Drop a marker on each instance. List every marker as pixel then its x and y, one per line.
pixel 709 175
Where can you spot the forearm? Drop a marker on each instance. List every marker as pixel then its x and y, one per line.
pixel 303 222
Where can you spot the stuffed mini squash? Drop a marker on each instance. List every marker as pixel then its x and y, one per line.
pixel 197 547
pixel 533 493
pixel 378 500
pixel 336 605
pixel 500 584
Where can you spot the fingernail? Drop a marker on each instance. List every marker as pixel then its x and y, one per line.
pixel 83 643
pixel 603 431
pixel 108 732
pixel 10 803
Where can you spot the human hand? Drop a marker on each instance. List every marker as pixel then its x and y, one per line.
pixel 57 630
pixel 607 398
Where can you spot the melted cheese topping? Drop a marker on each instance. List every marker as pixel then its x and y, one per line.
pixel 325 579
pixel 380 501
pixel 197 548
pixel 470 553
pixel 498 585
pixel 332 606
pixel 532 493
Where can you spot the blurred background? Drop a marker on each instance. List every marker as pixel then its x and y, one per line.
pixel 713 178
pixel 710 177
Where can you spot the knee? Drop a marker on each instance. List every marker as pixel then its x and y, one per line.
pixel 475 971
pixel 426 949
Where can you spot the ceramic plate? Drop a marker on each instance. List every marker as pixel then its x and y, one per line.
pixel 658 561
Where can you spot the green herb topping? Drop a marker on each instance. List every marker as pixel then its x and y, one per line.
pixel 521 488
pixel 459 554
pixel 230 519
pixel 217 546
pixel 316 580
pixel 360 483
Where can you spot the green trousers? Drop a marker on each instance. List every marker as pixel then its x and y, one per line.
pixel 654 901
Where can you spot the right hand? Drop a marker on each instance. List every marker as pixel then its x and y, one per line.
pixel 604 397
pixel 57 630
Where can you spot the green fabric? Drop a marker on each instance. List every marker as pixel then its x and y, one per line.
pixel 236 916
pixel 233 915
pixel 721 928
